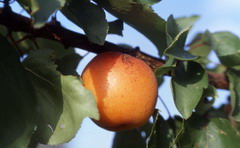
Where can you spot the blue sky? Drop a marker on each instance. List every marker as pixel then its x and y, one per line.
pixel 215 15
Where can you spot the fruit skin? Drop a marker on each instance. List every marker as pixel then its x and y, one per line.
pixel 125 89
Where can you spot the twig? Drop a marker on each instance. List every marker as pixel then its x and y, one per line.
pixel 54 31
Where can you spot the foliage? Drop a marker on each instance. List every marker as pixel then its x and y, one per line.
pixel 44 101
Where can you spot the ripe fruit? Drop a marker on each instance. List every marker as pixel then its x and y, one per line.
pixel 125 89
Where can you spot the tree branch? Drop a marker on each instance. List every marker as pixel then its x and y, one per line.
pixel 54 31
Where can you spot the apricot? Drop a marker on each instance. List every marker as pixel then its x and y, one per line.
pixel 125 89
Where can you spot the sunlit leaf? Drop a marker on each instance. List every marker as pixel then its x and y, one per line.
pixel 18 102
pixel 63 101
pixel 187 86
pixel 90 17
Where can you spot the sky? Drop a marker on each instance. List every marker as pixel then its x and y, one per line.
pixel 215 15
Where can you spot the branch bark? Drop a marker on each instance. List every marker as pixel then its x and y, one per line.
pixel 54 31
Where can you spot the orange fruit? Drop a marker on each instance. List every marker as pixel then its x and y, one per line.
pixel 125 89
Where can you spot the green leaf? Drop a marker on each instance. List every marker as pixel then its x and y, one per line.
pixel 63 101
pixel 207 100
pixel 162 135
pixel 90 17
pixel 187 86
pixel 27 45
pixel 176 49
pixel 170 64
pixel 171 29
pixel 234 80
pixel 132 138
pixel 148 2
pixel 217 132
pixel 68 64
pixel 116 27
pixel 201 44
pixel 18 102
pixel 227 47
pixel 3 30
pixel 141 17
pixel 186 22
pixel 40 10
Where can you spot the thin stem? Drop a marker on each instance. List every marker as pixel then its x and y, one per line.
pixel 165 106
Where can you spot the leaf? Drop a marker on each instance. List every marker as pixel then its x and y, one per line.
pixel 148 2
pixel 207 100
pixel 217 132
pixel 41 10
pixel 27 45
pixel 186 22
pixel 116 27
pixel 141 17
pixel 3 30
pixel 234 80
pixel 176 49
pixel 18 102
pixel 170 64
pixel 201 44
pixel 171 29
pixel 63 101
pixel 90 17
pixel 68 64
pixel 132 138
pixel 187 86
pixel 227 47
pixel 162 135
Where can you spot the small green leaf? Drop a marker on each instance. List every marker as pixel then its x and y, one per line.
pixel 234 78
pixel 90 17
pixel 227 47
pixel 141 17
pixel 176 49
pixel 116 27
pixel 186 22
pixel 63 101
pixel 187 86
pixel 217 132
pixel 18 102
pixel 162 135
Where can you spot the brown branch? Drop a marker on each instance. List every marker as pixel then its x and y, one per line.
pixel 54 31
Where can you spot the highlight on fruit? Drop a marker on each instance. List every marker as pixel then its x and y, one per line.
pixel 125 89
